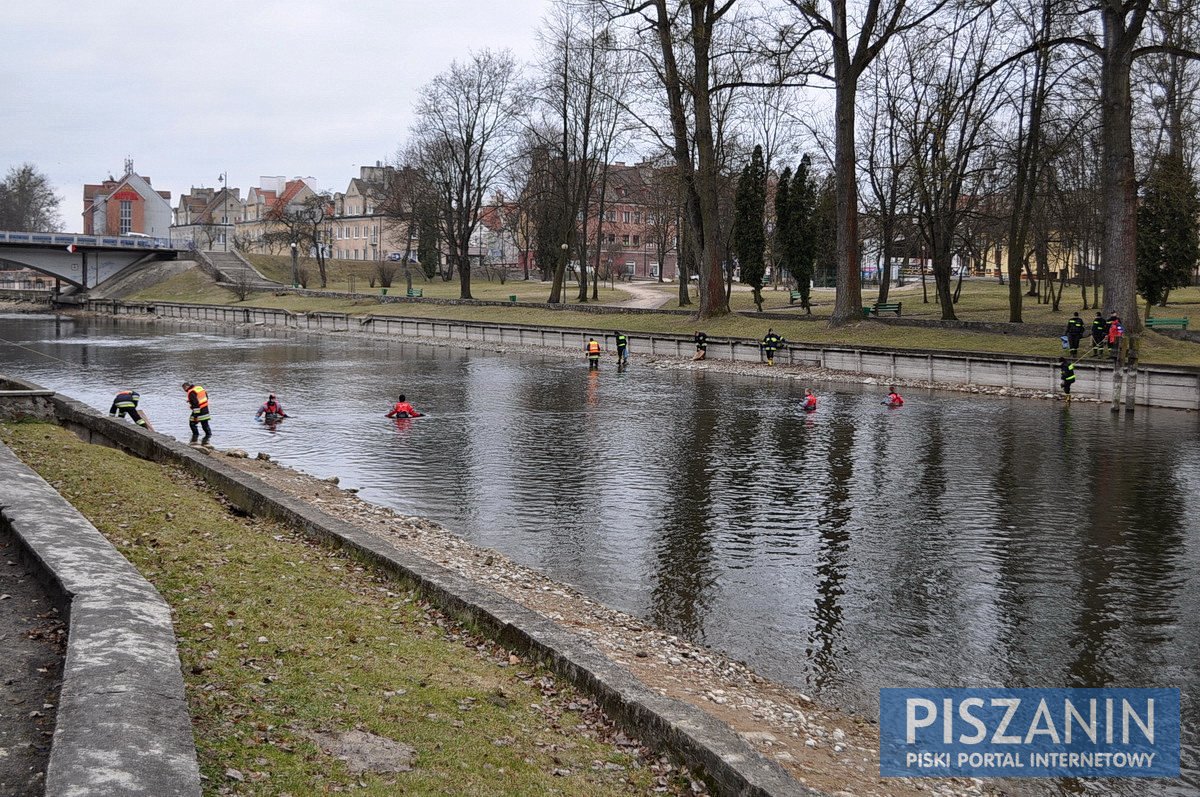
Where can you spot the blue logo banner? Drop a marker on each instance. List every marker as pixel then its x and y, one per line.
pixel 1029 733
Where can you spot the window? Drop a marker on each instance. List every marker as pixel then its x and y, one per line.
pixel 612 239
pixel 637 217
pixel 625 240
pixel 637 240
pixel 126 216
pixel 625 216
pixel 610 215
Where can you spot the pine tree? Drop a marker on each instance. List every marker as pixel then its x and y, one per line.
pixel 803 243
pixel 1168 243
pixel 749 235
pixel 783 222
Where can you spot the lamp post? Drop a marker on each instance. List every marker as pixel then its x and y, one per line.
pixel 295 282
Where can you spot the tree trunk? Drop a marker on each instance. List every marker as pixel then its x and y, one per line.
pixel 885 270
pixel 1119 254
pixel 847 304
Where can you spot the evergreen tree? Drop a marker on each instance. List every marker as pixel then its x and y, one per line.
pixel 1168 243
pixel 803 244
pixel 822 230
pixel 783 222
pixel 749 235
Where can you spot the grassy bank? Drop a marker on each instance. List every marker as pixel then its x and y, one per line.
pixel 356 276
pixel 982 301
pixel 285 643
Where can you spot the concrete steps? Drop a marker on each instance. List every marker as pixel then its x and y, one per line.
pixel 232 267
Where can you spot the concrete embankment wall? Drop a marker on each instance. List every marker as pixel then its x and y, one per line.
pixel 697 739
pixel 123 725
pixel 1176 387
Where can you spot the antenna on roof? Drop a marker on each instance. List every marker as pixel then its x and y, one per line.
pixel 128 166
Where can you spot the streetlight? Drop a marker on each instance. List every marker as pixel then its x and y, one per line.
pixel 295 282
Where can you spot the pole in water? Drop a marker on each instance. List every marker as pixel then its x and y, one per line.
pixel 1131 379
pixel 1117 376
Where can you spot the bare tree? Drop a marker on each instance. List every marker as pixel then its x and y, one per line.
pixel 854 41
pixel 27 201
pixel 460 143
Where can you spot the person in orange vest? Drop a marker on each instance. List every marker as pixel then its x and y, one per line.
pixel 810 400
pixel 893 398
pixel 125 405
pixel 197 399
pixel 593 354
pixel 402 409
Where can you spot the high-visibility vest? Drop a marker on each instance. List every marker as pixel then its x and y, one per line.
pixel 1068 372
pixel 201 398
pixel 593 347
pixel 622 341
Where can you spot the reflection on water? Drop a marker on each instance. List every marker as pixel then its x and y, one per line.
pixel 957 541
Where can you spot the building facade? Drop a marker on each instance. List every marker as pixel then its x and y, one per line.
pixel 124 206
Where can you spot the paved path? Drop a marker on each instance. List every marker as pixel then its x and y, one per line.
pixel 645 296
pixel 31 640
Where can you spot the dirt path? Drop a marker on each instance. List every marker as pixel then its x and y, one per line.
pixel 31 652
pixel 644 296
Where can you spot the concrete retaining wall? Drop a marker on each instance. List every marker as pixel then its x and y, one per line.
pixel 1177 387
pixel 123 725
pixel 700 741
pixel 20 405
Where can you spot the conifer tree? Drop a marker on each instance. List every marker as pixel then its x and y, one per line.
pixel 749 234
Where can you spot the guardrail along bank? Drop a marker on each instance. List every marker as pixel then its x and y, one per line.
pixel 1176 387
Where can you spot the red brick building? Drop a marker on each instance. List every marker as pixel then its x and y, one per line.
pixel 127 205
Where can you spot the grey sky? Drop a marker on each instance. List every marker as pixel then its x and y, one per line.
pixel 190 90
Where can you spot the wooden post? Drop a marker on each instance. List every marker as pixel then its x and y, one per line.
pixel 1118 375
pixel 1131 383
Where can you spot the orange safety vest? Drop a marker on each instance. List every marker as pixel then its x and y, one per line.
pixel 201 398
pixel 593 348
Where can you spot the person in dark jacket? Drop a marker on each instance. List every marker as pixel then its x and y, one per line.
pixel 1075 331
pixel 1099 334
pixel 701 340
pixel 622 348
pixel 1067 374
pixel 125 405
pixel 771 343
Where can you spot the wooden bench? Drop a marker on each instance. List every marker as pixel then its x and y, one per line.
pixel 886 307
pixel 795 296
pixel 415 293
pixel 1167 323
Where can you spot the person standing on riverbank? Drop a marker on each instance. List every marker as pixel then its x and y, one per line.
pixel 1099 333
pixel 622 348
pixel 593 354
pixel 402 409
pixel 197 399
pixel 771 344
pixel 1074 334
pixel 125 405
pixel 701 340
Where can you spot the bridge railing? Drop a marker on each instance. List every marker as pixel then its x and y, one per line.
pixel 65 239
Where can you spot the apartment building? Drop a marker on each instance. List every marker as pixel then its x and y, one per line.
pixel 364 225
pixel 127 205
pixel 205 218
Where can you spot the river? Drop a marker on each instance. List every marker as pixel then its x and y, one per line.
pixel 959 540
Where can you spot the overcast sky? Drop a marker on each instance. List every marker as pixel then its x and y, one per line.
pixel 192 90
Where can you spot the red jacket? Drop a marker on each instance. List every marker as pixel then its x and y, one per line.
pixel 402 409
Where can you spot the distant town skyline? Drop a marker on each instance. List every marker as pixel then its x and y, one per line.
pixel 191 93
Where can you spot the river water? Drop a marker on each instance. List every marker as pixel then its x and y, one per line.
pixel 958 541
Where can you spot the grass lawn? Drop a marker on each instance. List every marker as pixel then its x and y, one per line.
pixel 340 272
pixel 282 639
pixel 981 301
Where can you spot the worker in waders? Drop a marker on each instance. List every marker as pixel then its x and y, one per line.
pixel 197 399
pixel 771 344
pixel 622 349
pixel 593 354
pixel 810 400
pixel 1067 374
pixel 402 409
pixel 1099 334
pixel 125 405
pixel 1074 334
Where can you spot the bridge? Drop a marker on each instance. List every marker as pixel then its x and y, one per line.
pixel 84 261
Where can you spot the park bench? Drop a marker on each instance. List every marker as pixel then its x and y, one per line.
pixel 884 307
pixel 1167 323
pixel 795 296
pixel 415 293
